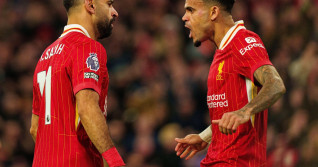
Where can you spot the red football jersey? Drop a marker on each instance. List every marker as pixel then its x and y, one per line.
pixel 231 86
pixel 72 63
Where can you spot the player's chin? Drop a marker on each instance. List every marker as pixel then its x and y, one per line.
pixel 198 40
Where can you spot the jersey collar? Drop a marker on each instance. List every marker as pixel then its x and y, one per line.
pixel 231 33
pixel 74 28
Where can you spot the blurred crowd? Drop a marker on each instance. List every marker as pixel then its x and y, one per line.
pixel 158 78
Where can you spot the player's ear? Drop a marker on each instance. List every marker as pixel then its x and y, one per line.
pixel 90 6
pixel 214 12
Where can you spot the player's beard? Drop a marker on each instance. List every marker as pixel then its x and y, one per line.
pixel 197 43
pixel 105 28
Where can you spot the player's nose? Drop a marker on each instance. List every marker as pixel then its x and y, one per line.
pixel 114 13
pixel 185 18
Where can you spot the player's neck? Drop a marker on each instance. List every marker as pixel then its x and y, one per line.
pixel 221 29
pixel 85 22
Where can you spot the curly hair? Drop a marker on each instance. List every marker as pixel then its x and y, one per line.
pixel 227 4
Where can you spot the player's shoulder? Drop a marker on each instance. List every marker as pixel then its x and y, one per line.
pixel 79 40
pixel 247 36
pixel 246 41
pixel 84 48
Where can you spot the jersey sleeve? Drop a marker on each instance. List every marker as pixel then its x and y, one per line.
pixel 250 54
pixel 88 66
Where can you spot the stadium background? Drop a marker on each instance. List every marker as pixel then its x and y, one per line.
pixel 158 78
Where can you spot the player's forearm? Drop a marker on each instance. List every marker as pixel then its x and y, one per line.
pixel 34 126
pixel 273 88
pixel 96 128
pixel 33 134
pixel 93 119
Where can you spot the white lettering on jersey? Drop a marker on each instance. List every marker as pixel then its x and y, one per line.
pixel 249 47
pixel 55 50
pixel 217 100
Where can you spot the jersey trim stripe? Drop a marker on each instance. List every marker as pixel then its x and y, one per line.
pixel 231 33
pixel 77 119
pixel 251 93
pixel 74 28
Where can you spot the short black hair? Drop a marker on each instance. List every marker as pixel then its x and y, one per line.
pixel 68 4
pixel 227 4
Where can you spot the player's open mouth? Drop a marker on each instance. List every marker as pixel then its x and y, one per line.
pixel 112 22
pixel 190 34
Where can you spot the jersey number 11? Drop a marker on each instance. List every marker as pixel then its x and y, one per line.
pixel 45 79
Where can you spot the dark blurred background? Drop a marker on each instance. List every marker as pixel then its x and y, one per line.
pixel 158 78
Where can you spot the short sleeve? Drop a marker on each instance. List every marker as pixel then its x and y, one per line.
pixel 250 54
pixel 88 66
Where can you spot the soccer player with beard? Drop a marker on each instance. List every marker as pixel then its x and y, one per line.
pixel 70 92
pixel 242 84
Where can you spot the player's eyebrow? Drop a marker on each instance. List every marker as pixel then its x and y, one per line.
pixel 111 1
pixel 188 8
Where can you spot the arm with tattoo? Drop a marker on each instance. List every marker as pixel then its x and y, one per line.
pixel 273 88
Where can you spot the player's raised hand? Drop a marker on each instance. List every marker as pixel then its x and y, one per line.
pixel 189 146
pixel 230 121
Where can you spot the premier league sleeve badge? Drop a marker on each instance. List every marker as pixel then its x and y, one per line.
pixel 92 62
